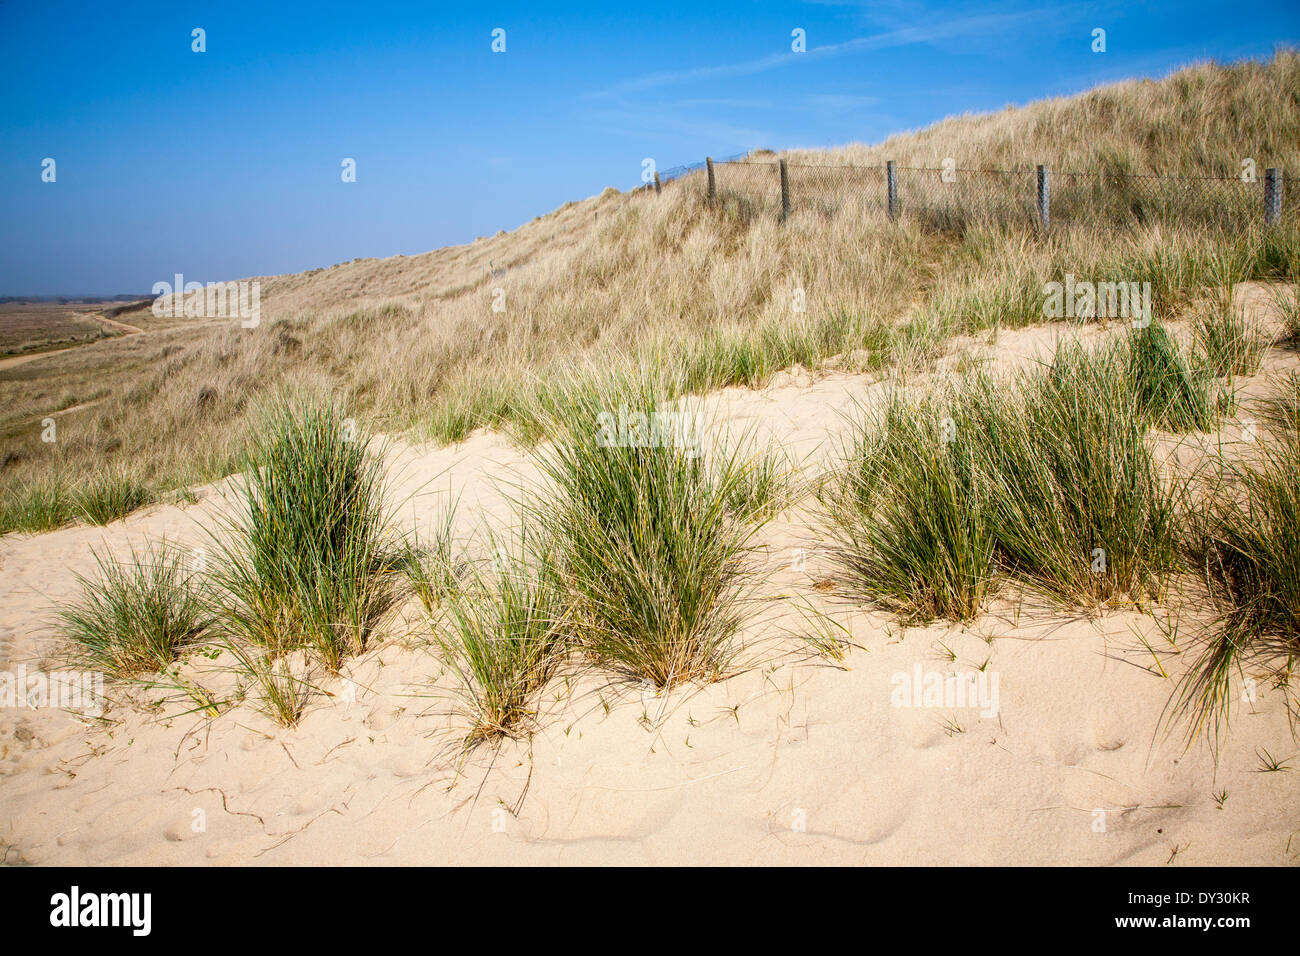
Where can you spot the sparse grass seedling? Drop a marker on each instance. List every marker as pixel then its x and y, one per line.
pixel 278 682
pixel 1270 764
pixel 825 636
pixel 766 488
pixel 430 569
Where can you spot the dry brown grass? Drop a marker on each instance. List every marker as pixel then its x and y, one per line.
pixel 1200 121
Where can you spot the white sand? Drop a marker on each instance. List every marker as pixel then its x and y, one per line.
pixel 793 761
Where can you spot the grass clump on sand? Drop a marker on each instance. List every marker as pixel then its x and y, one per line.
pixel 768 484
pixel 911 514
pixel 279 685
pixel 42 504
pixel 1082 512
pixel 1047 478
pixel 1167 388
pixel 109 495
pixel 430 569
pixel 306 563
pixel 650 540
pixel 1231 344
pixel 503 637
pixel 1287 303
pixel 135 616
pixel 1248 543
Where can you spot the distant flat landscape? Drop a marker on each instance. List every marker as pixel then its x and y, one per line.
pixel 33 326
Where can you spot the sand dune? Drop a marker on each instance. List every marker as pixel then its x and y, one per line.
pixel 793 760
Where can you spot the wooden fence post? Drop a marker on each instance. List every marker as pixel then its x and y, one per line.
pixel 658 186
pixel 785 193
pixel 1044 196
pixel 1272 195
pixel 891 189
pixel 713 193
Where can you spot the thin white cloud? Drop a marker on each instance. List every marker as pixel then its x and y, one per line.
pixel 931 32
pixel 642 122
pixel 841 101
pixel 728 104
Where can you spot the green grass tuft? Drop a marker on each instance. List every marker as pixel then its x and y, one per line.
pixel 911 514
pixel 108 496
pixel 1082 512
pixel 135 616
pixel 1047 478
pixel 308 561
pixel 503 636
pixel 1248 543
pixel 40 505
pixel 430 569
pixel 1172 394
pixel 652 546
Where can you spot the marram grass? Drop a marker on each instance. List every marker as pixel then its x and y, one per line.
pixel 1230 343
pixel 1046 478
pixel 1247 543
pixel 430 568
pixel 40 504
pixel 108 495
pixel 1169 390
pixel 1082 511
pixel 503 636
pixel 135 616
pixel 307 561
pixel 911 514
pixel 650 536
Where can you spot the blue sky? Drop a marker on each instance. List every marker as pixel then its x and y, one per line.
pixel 226 163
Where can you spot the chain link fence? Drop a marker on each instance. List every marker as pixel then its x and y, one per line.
pixel 826 189
pixel 953 198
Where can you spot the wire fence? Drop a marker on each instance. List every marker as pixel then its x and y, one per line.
pixel 677 172
pixel 951 198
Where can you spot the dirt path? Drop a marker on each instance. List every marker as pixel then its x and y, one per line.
pixel 13 360
pixel 111 324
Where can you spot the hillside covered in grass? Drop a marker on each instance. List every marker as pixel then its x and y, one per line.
pixel 443 343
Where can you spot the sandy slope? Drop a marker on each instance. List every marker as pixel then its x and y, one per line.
pixel 792 761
